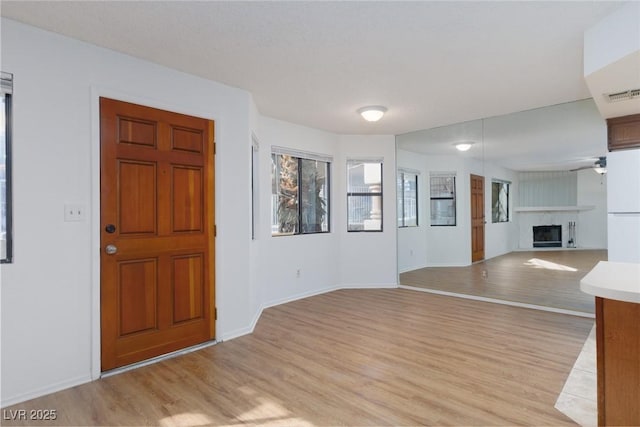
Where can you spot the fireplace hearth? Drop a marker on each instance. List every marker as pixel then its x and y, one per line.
pixel 547 236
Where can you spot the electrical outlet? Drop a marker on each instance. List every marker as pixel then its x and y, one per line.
pixel 411 252
pixel 74 212
pixel 298 273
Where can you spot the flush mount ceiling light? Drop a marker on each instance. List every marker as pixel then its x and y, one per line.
pixel 463 146
pixel 372 113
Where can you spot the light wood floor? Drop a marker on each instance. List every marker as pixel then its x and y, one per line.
pixel 352 357
pixel 537 277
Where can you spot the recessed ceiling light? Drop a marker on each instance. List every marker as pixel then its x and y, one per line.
pixel 464 146
pixel 372 113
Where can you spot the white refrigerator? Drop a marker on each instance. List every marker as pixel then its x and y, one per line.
pixel 623 205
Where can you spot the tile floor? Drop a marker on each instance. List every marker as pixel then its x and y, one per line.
pixel 578 399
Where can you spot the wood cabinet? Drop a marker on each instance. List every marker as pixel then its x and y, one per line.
pixel 618 350
pixel 623 132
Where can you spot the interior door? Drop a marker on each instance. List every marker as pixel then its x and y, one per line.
pixel 477 218
pixel 157 219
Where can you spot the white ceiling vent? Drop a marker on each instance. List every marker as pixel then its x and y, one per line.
pixel 623 96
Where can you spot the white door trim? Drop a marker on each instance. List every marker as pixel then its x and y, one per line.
pixel 94 220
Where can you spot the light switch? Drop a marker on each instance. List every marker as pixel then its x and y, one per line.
pixel 74 212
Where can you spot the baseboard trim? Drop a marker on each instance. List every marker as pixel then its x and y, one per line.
pixel 242 331
pixel 455 264
pixel 62 385
pixel 296 297
pixel 249 329
pixel 417 267
pixel 564 248
pixel 501 302
pixel 368 286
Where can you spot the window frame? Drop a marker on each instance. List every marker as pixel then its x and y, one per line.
pixel 255 187
pixel 300 157
pixel 371 195
pixel 453 198
pixel 502 184
pixel 6 89
pixel 403 200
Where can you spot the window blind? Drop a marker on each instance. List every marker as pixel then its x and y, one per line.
pixel 301 154
pixel 6 82
pixel 502 181
pixel 411 171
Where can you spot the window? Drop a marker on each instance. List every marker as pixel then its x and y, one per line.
pixel 499 201
pixel 407 199
pixel 364 195
pixel 443 199
pixel 300 193
pixel 6 92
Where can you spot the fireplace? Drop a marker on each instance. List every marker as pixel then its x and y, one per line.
pixel 547 236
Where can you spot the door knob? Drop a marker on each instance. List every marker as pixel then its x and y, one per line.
pixel 111 249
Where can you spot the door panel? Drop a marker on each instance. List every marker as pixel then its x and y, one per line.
pixel 186 140
pixel 138 132
pixel 137 293
pixel 477 218
pixel 188 288
pixel 187 203
pixel 136 187
pixel 157 191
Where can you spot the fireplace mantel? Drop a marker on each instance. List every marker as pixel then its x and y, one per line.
pixel 553 208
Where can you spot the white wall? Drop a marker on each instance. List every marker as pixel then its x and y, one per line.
pixel 332 260
pixel 548 188
pixel 443 246
pixel 50 294
pixel 315 255
pixel 591 226
pixel 256 294
pixel 368 259
pixel 612 38
pixel 412 241
pixel 451 246
pixel 502 237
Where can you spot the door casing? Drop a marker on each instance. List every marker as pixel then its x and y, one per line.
pixel 475 221
pixel 171 104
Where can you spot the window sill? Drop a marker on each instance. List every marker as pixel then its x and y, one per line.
pixel 554 208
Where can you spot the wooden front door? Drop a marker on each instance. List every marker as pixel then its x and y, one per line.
pixel 156 219
pixel 477 218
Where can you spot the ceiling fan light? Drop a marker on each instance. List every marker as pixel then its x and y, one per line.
pixel 372 113
pixel 464 146
pixel 600 170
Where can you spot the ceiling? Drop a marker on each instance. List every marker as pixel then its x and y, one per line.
pixel 559 137
pixel 315 63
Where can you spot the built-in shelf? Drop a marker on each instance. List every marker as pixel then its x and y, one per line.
pixel 554 208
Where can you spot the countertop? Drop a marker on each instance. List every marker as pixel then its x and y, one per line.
pixel 613 280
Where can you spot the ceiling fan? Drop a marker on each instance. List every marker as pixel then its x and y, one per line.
pixel 600 166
